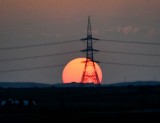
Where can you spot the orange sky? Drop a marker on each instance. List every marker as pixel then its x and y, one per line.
pixel 25 22
pixel 70 8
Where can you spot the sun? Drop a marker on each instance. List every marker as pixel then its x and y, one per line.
pixel 74 69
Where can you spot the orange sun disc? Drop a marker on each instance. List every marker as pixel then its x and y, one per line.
pixel 73 71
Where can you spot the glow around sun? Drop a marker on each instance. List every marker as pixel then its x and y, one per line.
pixel 74 69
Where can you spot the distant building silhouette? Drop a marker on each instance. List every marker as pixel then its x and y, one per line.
pixel 18 102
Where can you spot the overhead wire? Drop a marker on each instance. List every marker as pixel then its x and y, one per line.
pixel 37 56
pixel 37 45
pixel 72 52
pixel 129 53
pixel 71 41
pixel 33 57
pixel 129 42
pixel 134 65
pixel 61 65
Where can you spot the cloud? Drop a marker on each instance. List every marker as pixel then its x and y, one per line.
pixel 125 30
pixel 130 29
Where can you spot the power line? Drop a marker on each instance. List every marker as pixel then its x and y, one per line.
pixel 71 41
pixel 37 45
pixel 61 65
pixel 32 68
pixel 64 42
pixel 72 52
pixel 131 42
pixel 38 56
pixel 134 65
pixel 130 53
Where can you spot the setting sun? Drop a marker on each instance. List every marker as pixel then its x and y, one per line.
pixel 74 69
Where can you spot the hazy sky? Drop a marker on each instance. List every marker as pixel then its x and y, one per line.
pixel 28 22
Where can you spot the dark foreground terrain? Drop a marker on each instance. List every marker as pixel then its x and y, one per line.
pixel 92 105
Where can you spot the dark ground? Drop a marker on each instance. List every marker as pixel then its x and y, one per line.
pixel 100 104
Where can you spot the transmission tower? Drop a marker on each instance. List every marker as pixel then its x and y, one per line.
pixel 90 74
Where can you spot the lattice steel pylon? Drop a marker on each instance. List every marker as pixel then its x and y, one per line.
pixel 90 74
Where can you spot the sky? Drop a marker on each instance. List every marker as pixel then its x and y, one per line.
pixel 32 22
